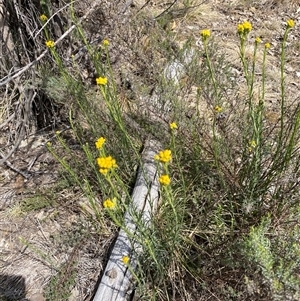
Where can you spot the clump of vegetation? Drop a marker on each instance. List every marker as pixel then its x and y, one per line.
pixel 229 197
pixel 61 284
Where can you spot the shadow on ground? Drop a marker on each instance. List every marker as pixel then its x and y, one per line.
pixel 12 288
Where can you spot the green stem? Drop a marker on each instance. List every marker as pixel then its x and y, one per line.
pixel 282 94
pixel 211 72
pixel 174 150
pixel 215 140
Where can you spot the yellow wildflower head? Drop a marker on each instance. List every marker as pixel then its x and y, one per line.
pixel 290 23
pixel 164 156
pixel 50 44
pixel 43 18
pixel 244 28
pixel 99 143
pixel 164 180
pixel 102 81
pixel 247 27
pixel 105 43
pixel 173 126
pixel 109 204
pixel 240 28
pixel 257 40
pixel 125 259
pixel 267 45
pixel 205 34
pixel 105 164
pixel 104 171
pixel 218 109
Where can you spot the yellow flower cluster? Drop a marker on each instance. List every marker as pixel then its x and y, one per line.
pixel 106 163
pixel 99 143
pixel 290 23
pixel 50 44
pixel 267 45
pixel 218 109
pixel 164 156
pixel 125 260
pixel 240 28
pixel 109 204
pixel 244 28
pixel 43 18
pixel 173 126
pixel 105 42
pixel 205 34
pixel 102 81
pixel 164 180
pixel 258 40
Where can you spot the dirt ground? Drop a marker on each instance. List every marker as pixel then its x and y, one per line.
pixel 56 239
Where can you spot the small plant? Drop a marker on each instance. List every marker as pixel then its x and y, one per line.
pixel 277 258
pixel 61 284
pixel 37 202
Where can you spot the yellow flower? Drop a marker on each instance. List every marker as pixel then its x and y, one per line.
pixel 290 23
pixel 218 109
pixel 164 156
pixel 105 42
pixel 247 27
pixel 164 180
pixel 244 28
pixel 205 34
pixel 48 143
pixel 43 18
pixel 173 126
pixel 50 44
pixel 125 260
pixel 99 143
pixel 57 133
pixel 240 28
pixel 267 45
pixel 109 204
pixel 106 163
pixel 101 81
pixel 258 40
pixel 104 171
